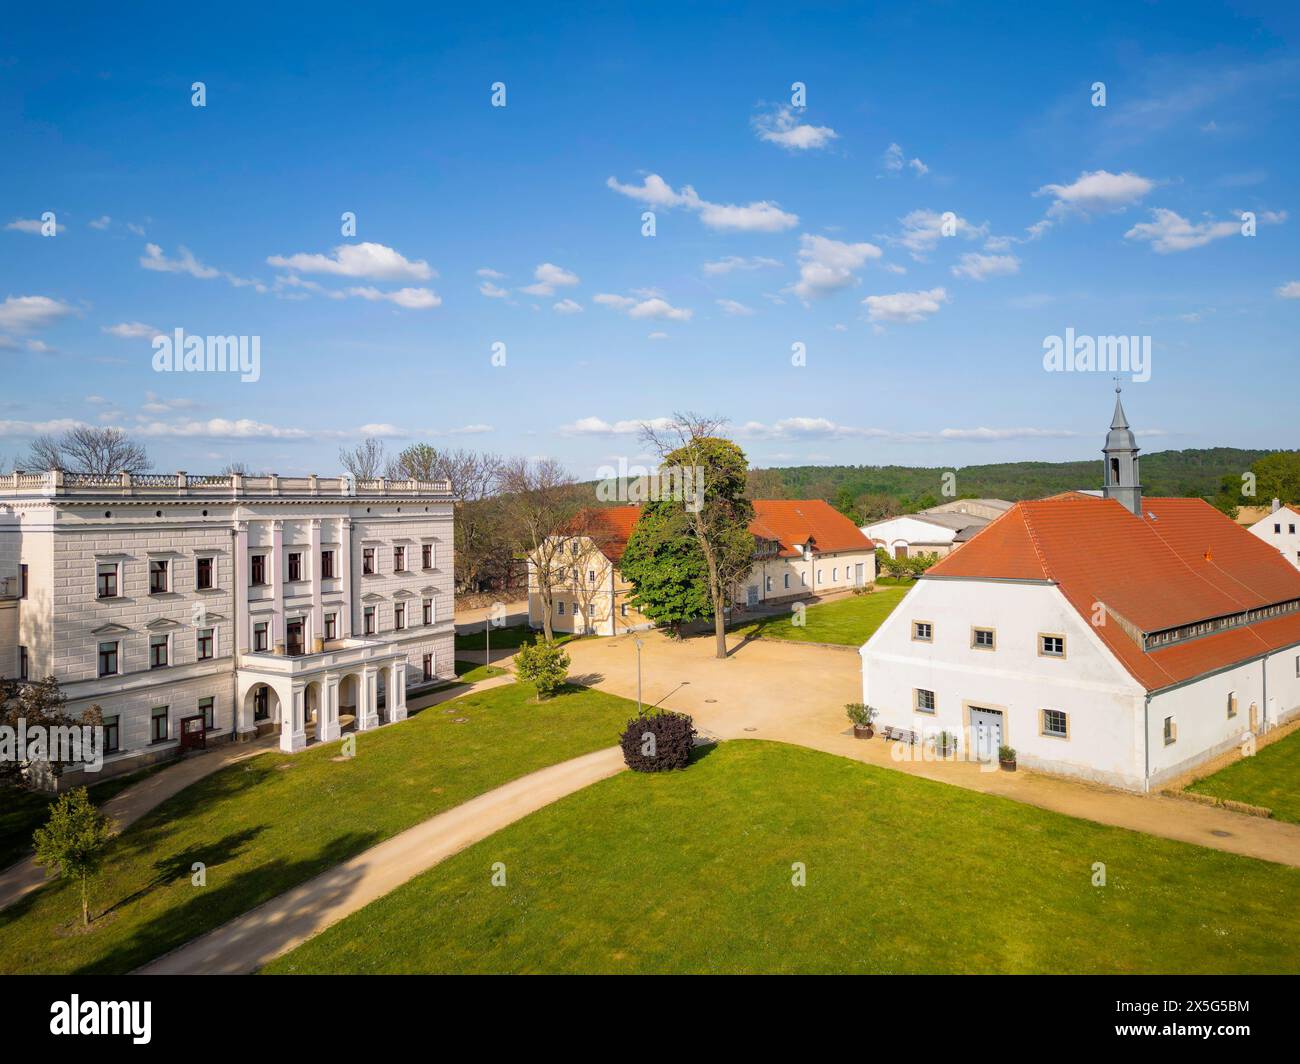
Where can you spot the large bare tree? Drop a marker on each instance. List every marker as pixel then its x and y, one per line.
pixel 366 460
pixel 86 449
pixel 711 471
pixel 540 501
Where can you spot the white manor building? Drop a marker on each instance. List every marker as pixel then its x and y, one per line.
pixel 194 609
pixel 1109 637
pixel 1280 529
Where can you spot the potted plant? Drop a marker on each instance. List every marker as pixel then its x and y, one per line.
pixel 861 716
pixel 1007 758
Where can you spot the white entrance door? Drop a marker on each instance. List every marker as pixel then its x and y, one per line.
pixel 985 733
pixel 857 575
pixel 751 595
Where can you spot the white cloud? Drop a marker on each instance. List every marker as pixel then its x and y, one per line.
pixel 130 330
pixel 491 274
pixel 492 291
pixel 738 262
pixel 1098 192
pixel 218 428
pixel 567 306
pixel 410 298
pixel 762 216
pixel 33 226
pixel 32 312
pixel 783 127
pixel 657 336
pixel 376 262
pixel 594 426
pixel 813 428
pixel 1169 231
pixel 981 267
pixel 735 309
pixel 154 259
pixel 894 160
pixel 905 306
pixel 826 265
pixel 155 404
pixel 549 277
pixel 654 307
pixel 102 222
pixel 921 230
pixel 1290 290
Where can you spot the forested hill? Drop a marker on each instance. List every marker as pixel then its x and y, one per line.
pixel 1182 473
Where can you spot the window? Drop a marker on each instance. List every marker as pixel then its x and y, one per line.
pixel 205 643
pixel 1055 724
pixel 22 663
pixel 591 576
pixel 22 581
pixel 112 736
pixel 835 574
pixel 787 579
pixel 923 631
pixel 203 574
pixel 427 616
pixel 399 616
pixel 1051 646
pixel 157 576
pixel 426 555
pixel 1171 730
pixel 982 638
pixel 803 579
pixel 426 666
pixel 208 707
pixel 331 626
pixel 1232 704
pixel 767 583
pixel 158 724
pixel 262 703
pixel 367 561
pixel 260 635
pixel 108 659
pixel 821 574
pixel 622 610
pixel 399 559
pixel 327 565
pixel 1277 530
pixel 257 571
pixel 924 701
pixel 106 580
pixel 158 646
pixel 368 616
pixel 559 608
pixel 295 565
pixel 1290 530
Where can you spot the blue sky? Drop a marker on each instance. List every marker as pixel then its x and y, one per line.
pixel 822 224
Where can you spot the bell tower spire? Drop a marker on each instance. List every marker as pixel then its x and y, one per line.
pixel 1121 468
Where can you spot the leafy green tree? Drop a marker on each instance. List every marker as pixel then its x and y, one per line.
pixel 716 507
pixel 666 568
pixel 72 842
pixel 544 665
pixel 1277 476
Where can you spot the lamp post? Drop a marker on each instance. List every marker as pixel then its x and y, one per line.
pixel 487 642
pixel 638 675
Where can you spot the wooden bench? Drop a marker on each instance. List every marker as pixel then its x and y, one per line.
pixel 901 735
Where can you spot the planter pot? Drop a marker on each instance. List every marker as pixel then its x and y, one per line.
pixel 863 731
pixel 1008 766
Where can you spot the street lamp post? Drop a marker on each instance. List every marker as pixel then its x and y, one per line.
pixel 638 676
pixel 487 641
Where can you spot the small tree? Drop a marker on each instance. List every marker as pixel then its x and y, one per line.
pixel 72 842
pixel 545 666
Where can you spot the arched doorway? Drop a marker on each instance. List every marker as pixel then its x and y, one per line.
pixel 261 707
pixel 312 700
pixel 349 697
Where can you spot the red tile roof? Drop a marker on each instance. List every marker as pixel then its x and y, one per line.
pixel 1182 561
pixel 789 522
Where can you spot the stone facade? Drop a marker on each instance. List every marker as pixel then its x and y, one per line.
pixel 148 595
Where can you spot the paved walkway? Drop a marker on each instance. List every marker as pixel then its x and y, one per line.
pixel 796 694
pixel 131 803
pixel 259 936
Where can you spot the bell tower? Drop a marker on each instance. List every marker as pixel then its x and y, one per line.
pixel 1121 472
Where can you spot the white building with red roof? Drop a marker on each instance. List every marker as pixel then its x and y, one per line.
pixel 1280 529
pixel 1112 637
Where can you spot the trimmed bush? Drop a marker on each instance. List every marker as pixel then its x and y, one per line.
pixel 544 665
pixel 660 742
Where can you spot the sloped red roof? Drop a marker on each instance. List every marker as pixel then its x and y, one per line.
pixel 790 522
pixel 1182 561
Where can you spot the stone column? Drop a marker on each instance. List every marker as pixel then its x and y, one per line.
pixel 293 717
pixel 397 691
pixel 316 644
pixel 240 569
pixel 327 717
pixel 367 696
pixel 345 623
pixel 277 586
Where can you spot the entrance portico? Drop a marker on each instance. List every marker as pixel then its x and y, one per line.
pixel 308 686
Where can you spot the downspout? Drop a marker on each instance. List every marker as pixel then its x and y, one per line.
pixel 1146 743
pixel 1263 667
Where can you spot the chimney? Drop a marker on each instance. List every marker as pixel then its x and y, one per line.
pixel 1277 505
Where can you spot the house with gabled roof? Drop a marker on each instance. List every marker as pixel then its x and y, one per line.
pixel 802 548
pixel 1280 529
pixel 1113 637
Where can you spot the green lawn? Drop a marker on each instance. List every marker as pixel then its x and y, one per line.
pixel 264 825
pixel 848 621
pixel 1271 778
pixel 468 672
pixel 506 638
pixel 691 872
pixel 22 812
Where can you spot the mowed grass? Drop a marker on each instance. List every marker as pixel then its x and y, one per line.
pixel 506 638
pixel 468 672
pixel 848 621
pixel 265 825
pixel 692 872
pixel 1271 778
